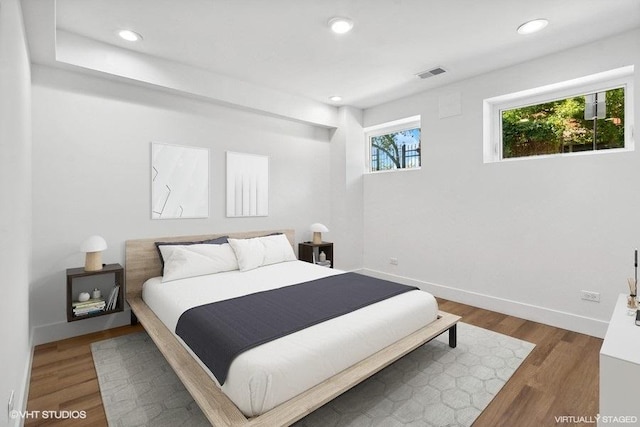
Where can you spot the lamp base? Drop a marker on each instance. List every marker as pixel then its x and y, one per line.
pixel 317 237
pixel 93 261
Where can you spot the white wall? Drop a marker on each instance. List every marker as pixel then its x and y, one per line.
pixel 345 180
pixel 91 172
pixel 15 207
pixel 521 237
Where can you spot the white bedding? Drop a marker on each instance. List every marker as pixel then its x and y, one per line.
pixel 265 376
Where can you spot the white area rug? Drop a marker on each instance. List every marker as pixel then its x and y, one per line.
pixel 433 386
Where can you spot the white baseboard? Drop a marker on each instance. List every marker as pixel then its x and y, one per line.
pixel 62 330
pixel 559 319
pixel 22 396
pixel 22 405
pixel 57 331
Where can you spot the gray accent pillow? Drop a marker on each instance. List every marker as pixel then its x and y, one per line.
pixel 216 241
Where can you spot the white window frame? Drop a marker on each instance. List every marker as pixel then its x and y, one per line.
pixel 399 125
pixel 493 108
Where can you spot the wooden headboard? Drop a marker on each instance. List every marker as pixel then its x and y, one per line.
pixel 142 261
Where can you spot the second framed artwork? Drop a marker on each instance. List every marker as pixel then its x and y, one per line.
pixel 247 185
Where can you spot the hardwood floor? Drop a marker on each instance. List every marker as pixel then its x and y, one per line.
pixel 63 378
pixel 560 376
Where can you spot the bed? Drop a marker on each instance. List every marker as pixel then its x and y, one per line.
pixel 274 398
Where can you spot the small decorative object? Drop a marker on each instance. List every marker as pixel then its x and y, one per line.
pixel 322 257
pixel 317 230
pixel 84 296
pixel 632 302
pixel 635 263
pixel 96 293
pixel 93 247
pixel 632 286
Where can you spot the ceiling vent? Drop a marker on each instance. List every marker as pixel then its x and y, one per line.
pixel 431 73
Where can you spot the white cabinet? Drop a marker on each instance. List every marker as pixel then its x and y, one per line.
pixel 620 369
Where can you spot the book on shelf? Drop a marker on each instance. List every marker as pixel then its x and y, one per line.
pixel 87 303
pixel 87 307
pixel 87 313
pixel 90 306
pixel 113 298
pixel 88 310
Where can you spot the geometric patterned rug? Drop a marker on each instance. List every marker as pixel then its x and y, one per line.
pixel 433 386
pixel 138 386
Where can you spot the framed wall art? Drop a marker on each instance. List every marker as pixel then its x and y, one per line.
pixel 179 181
pixel 247 185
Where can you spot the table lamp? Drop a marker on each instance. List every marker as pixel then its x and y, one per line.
pixel 318 229
pixel 93 247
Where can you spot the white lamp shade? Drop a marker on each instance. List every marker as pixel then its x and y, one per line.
pixel 318 228
pixel 93 244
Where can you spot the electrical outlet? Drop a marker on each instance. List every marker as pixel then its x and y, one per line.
pixel 393 261
pixel 591 296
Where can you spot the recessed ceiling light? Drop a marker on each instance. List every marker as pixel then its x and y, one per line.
pixel 340 25
pixel 532 26
pixel 130 36
pixel 335 98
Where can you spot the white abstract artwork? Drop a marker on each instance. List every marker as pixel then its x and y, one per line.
pixel 247 185
pixel 179 181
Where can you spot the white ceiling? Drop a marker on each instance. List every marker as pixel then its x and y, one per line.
pixel 286 45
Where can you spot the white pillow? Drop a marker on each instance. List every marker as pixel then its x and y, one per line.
pixel 182 261
pixel 259 251
pixel 277 249
pixel 249 252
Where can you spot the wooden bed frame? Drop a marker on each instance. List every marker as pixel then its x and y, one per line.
pixel 142 263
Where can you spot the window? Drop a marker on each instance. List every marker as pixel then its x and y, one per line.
pixel 583 115
pixel 594 121
pixel 395 145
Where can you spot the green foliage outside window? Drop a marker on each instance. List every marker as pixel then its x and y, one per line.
pixel 560 127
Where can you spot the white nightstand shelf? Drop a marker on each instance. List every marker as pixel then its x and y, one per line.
pixel 620 366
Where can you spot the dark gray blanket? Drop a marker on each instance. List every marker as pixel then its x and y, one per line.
pixel 220 331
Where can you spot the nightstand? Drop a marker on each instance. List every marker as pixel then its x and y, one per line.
pixel 106 280
pixel 310 252
pixel 620 364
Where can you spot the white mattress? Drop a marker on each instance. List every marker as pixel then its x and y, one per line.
pixel 265 376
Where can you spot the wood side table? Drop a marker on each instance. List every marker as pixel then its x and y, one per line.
pixel 310 252
pixel 79 280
